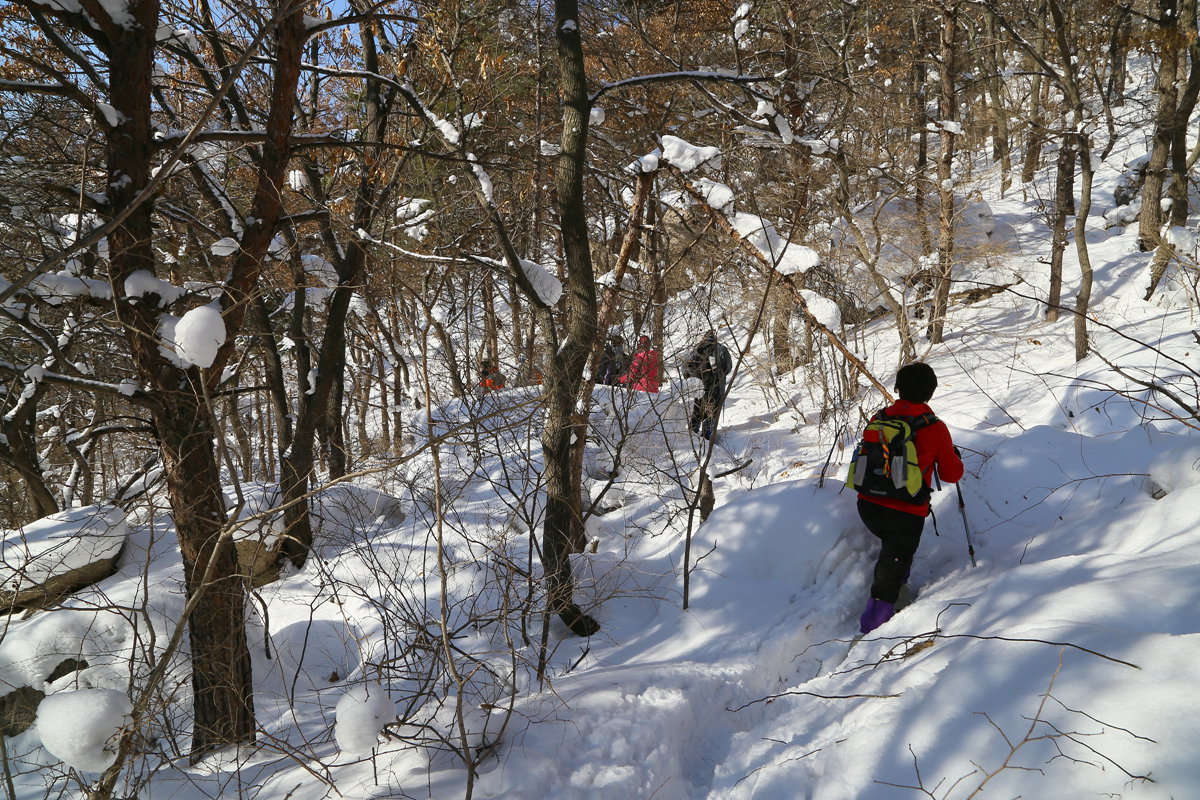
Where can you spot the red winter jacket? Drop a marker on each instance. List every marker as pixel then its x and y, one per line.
pixel 934 447
pixel 643 371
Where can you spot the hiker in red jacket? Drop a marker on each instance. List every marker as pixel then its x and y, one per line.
pixel 643 369
pixel 898 523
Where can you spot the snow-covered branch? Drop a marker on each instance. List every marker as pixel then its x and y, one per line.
pixel 666 77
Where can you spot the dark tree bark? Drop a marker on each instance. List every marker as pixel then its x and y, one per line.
pixel 19 451
pixel 1061 209
pixel 1168 155
pixel 221 679
pixel 176 397
pixel 321 409
pixel 222 687
pixel 997 108
pixel 948 112
pixel 562 529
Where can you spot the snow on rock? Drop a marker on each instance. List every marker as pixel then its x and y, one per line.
pixel 79 728
pixel 360 715
pixel 343 511
pixel 687 156
pixel 257 529
pixel 549 288
pixel 1182 238
pixel 59 553
pixel 199 334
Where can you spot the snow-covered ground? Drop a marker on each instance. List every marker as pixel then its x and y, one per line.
pixel 1063 665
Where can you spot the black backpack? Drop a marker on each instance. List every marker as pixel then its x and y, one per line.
pixel 885 461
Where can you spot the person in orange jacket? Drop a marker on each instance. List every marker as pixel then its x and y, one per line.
pixel 898 523
pixel 490 376
pixel 643 369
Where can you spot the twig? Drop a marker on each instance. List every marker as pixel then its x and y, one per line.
pixel 819 696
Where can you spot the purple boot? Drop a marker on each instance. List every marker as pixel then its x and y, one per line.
pixel 877 613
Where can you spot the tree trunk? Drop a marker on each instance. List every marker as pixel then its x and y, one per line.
pixel 1176 135
pixel 1036 135
pixel 18 449
pixel 948 111
pixel 562 528
pixel 321 406
pixel 221 679
pixel 1150 220
pixel 1001 153
pixel 1084 298
pixel 222 689
pixel 1063 181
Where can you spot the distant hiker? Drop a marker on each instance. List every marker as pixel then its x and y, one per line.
pixel 612 362
pixel 711 363
pixel 643 369
pixel 893 492
pixel 490 376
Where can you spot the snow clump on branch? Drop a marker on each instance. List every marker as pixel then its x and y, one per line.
pixel 549 289
pixel 199 334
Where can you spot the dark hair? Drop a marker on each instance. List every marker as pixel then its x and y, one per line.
pixel 916 382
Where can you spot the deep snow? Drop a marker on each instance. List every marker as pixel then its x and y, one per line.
pixel 1063 666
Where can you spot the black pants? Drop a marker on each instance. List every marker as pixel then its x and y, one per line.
pixel 704 410
pixel 899 534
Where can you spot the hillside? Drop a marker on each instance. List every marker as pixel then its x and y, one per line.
pixel 1062 665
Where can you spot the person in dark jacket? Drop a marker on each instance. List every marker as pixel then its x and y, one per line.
pixel 711 363
pixel 897 523
pixel 613 362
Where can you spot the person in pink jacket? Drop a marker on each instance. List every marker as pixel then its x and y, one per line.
pixel 643 369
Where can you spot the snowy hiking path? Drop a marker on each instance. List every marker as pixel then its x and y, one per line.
pixel 774 608
pixel 764 614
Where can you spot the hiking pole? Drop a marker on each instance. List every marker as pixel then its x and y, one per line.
pixel 966 526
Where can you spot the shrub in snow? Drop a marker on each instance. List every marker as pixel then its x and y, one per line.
pixel 79 728
pixel 360 715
